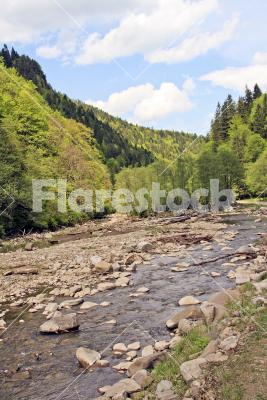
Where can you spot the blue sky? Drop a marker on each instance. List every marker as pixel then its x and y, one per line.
pixel 221 47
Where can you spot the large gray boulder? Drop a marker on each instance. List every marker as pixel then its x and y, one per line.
pixel 63 323
pixel 87 357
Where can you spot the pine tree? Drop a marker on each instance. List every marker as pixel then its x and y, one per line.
pixel 241 108
pixel 227 113
pixel 256 92
pixel 258 123
pixel 6 56
pixel 248 99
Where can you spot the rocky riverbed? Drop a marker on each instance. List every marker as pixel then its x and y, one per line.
pixel 116 282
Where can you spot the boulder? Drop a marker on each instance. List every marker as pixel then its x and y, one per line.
pixel 145 362
pixel 101 287
pixel 50 308
pixel 103 267
pixel 63 323
pixel 134 346
pixel 229 343
pixel 245 250
pixel 95 259
pixel 188 301
pixel 161 345
pixel 191 312
pixel 147 351
pixel 87 305
pixel 87 357
pixel 127 386
pixel 191 370
pixel 119 348
pixel 144 246
pixel 209 311
pixel 70 303
pixel 164 391
pixel 28 246
pixel 185 326
pixel 143 378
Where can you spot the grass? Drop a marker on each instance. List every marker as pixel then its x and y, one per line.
pixel 169 369
pixel 243 376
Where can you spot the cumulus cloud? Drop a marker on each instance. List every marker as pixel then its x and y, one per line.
pixel 145 103
pixel 195 45
pixel 238 77
pixel 28 20
pixel 145 33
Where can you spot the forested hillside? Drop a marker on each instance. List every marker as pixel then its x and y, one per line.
pixel 33 146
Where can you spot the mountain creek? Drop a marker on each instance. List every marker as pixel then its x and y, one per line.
pixel 135 270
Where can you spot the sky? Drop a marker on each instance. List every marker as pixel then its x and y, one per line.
pixel 158 63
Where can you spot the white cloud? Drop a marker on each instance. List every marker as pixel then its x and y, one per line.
pixel 260 58
pixel 145 103
pixel 195 45
pixel 28 20
pixel 238 77
pixel 145 32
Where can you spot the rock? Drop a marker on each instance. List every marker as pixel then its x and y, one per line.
pixel 216 357
pixel 191 312
pixel 127 386
pixel 95 259
pixel 229 343
pixel 101 287
pixel 224 297
pixel 245 250
pixel 122 282
pixel 260 286
pixel 131 355
pixel 241 276
pixel 259 300
pixel 143 290
pixel 164 391
pixel 70 303
pixel 188 300
pixel 143 378
pixel 63 323
pixel 123 366
pixel 87 357
pixel 28 246
pixel 174 341
pixel 208 310
pixel 215 274
pixel 185 326
pixel 144 246
pixel 103 267
pixel 147 351
pixel 22 271
pixel 210 348
pixel 119 348
pixel 131 258
pixel 2 324
pixel 177 269
pixel 134 346
pixel 50 308
pixel 161 345
pixel 105 304
pixel 75 289
pixel 191 370
pixel 182 265
pixel 145 362
pixel 102 363
pixel 87 305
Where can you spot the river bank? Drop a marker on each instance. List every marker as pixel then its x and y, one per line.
pixel 134 274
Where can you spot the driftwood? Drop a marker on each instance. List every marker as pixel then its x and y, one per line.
pixel 184 238
pixel 22 271
pixel 173 220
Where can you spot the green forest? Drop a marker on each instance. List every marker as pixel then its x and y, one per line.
pixel 33 145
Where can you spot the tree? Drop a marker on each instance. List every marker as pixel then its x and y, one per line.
pixel 256 92
pixel 248 99
pixel 256 175
pixel 238 135
pixel 6 56
pixel 254 147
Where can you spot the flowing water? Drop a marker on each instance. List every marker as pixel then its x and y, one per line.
pixel 51 359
